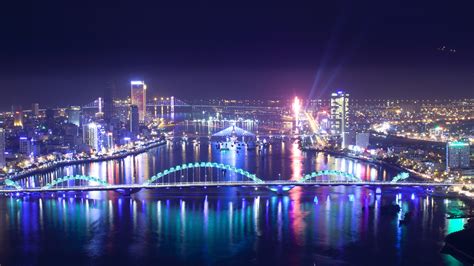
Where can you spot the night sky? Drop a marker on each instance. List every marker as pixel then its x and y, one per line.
pixel 64 53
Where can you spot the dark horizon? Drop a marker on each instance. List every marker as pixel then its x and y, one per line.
pixel 60 55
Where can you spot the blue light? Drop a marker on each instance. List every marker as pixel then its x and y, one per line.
pixel 351 197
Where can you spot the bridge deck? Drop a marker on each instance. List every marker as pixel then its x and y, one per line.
pixel 231 184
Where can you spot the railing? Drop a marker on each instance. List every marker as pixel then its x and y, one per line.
pixel 249 183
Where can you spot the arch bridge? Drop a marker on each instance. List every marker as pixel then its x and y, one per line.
pixel 209 174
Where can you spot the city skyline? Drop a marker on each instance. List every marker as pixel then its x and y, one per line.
pixel 320 133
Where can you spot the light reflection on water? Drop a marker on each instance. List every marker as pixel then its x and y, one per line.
pixel 322 225
pixel 283 161
pixel 226 227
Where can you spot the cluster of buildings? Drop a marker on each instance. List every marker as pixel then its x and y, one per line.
pixel 31 136
pixel 429 136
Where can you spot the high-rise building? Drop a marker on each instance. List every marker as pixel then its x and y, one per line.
pixel 100 113
pixel 25 146
pixel 74 115
pixel 35 109
pixel 35 148
pixel 91 136
pixel 339 119
pixel 138 97
pixel 17 116
pixel 49 115
pixel 134 120
pixel 2 148
pixel 70 134
pixel 109 140
pixel 457 154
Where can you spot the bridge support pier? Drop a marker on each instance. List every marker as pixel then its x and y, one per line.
pixel 128 191
pixel 280 189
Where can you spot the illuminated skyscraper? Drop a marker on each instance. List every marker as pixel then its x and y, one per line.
pixel 138 97
pixel 2 148
pixel 457 154
pixel 91 136
pixel 109 140
pixel 17 116
pixel 339 119
pixel 100 112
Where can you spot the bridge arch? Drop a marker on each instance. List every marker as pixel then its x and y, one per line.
pixel 11 183
pixel 196 165
pixel 346 175
pixel 75 177
pixel 401 176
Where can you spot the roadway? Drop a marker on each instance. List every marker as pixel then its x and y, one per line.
pixel 265 184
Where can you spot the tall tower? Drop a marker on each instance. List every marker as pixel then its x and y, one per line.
pixel 49 114
pixel 339 119
pixel 138 97
pixel 17 116
pixel 35 109
pixel 91 136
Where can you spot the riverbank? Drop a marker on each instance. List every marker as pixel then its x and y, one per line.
pixel 55 165
pixel 376 162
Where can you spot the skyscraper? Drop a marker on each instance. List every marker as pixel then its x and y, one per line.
pixel 2 148
pixel 17 116
pixel 35 109
pixel 74 115
pixel 91 136
pixel 339 119
pixel 138 97
pixel 457 154
pixel 108 140
pixel 134 120
pixel 25 146
pixel 49 114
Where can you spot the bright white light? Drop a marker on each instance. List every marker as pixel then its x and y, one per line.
pixel 100 105
pixel 136 82
pixel 296 106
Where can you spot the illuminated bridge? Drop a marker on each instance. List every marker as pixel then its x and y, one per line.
pixel 207 174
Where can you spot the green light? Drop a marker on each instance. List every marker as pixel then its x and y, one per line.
pixel 204 164
pixel 348 176
pixel 458 144
pixel 77 177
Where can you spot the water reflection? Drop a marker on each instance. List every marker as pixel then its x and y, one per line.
pixel 291 229
pixel 283 161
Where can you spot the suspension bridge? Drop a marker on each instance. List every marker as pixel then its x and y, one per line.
pixel 208 174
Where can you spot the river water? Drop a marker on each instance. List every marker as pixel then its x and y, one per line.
pixel 231 226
